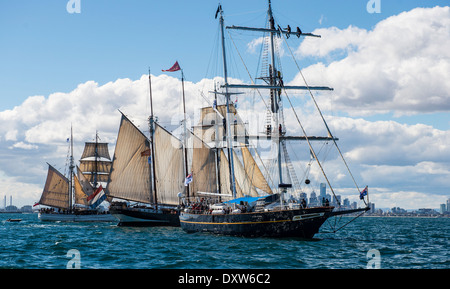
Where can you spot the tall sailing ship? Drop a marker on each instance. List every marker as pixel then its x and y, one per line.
pixel 76 198
pixel 237 198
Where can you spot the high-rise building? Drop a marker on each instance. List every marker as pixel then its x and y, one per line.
pixel 323 190
pixel 346 202
pixel 336 200
pixel 372 207
pixel 442 209
pixel 313 199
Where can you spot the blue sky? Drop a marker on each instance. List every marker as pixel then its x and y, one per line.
pixel 45 49
pixel 386 100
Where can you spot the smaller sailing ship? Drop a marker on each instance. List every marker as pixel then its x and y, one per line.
pixel 146 177
pixel 74 198
pixel 148 174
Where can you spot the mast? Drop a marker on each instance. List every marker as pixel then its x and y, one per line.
pixel 216 141
pixel 274 97
pixel 71 167
pixel 274 83
pixel 152 149
pixel 185 134
pixel 95 160
pixel 227 97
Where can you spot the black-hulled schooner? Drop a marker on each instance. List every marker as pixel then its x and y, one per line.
pixel 76 198
pixel 147 175
pixel 241 200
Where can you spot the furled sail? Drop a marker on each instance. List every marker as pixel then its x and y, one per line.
pixel 169 166
pixel 56 190
pixel 130 172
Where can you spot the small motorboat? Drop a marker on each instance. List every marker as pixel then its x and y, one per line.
pixel 13 220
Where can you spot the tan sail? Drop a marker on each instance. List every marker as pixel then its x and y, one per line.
pixel 209 118
pixel 253 172
pixel 80 195
pixel 56 190
pixel 84 182
pixel 242 179
pixel 100 177
pixel 203 167
pixel 225 186
pixel 102 150
pixel 91 166
pixel 169 166
pixel 130 174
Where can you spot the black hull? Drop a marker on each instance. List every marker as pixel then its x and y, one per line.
pixel 298 223
pixel 144 217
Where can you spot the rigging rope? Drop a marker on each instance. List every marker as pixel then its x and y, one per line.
pixel 311 148
pixel 248 72
pixel 321 115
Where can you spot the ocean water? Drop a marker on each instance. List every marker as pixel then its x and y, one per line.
pixel 367 242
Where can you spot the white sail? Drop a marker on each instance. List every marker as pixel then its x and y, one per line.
pixel 203 167
pixel 56 190
pixel 242 179
pixel 130 173
pixel 169 166
pixel 212 127
pixel 253 172
pixel 225 186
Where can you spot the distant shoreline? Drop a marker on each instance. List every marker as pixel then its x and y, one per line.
pixel 407 216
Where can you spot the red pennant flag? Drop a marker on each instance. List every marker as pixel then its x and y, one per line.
pixel 175 67
pixel 146 152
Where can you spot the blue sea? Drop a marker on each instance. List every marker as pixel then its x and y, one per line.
pixel 367 242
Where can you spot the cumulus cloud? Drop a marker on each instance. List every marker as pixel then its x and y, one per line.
pixel 35 132
pixel 399 66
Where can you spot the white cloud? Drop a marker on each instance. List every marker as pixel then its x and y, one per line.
pixel 11 135
pixel 35 131
pixel 385 198
pixel 24 146
pixel 400 66
pixel 381 154
pixel 332 39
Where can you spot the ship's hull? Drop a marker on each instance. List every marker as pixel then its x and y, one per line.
pixel 70 217
pixel 145 217
pixel 300 223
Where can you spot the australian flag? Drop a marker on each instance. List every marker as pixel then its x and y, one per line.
pixel 363 193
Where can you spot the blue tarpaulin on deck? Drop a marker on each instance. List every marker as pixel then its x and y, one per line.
pixel 244 199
